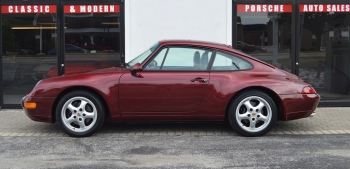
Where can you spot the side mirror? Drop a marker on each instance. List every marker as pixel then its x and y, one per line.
pixel 136 68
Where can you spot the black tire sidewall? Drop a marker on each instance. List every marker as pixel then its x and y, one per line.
pixel 234 106
pixel 94 99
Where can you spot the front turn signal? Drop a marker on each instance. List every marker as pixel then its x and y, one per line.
pixel 308 90
pixel 29 105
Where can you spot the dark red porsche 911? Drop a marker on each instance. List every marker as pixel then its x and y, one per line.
pixel 175 81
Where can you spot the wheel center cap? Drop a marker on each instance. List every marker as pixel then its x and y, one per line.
pixel 253 114
pixel 79 114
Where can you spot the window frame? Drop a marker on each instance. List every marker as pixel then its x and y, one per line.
pixel 179 46
pixel 233 55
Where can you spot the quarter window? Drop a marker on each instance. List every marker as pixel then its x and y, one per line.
pixel 224 61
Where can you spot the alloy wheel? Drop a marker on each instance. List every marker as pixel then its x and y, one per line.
pixel 253 114
pixel 79 114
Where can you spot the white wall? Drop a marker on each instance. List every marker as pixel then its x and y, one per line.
pixel 148 21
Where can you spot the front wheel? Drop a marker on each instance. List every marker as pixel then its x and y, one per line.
pixel 80 113
pixel 252 113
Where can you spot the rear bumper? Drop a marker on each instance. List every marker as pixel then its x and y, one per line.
pixel 312 114
pixel 298 106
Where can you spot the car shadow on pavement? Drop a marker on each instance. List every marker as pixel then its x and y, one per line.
pixel 163 128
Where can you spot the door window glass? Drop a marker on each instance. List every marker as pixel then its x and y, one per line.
pixel 179 58
pixel 157 61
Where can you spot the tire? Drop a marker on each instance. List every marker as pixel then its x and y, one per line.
pixel 252 113
pixel 77 120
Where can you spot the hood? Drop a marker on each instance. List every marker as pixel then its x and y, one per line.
pixel 108 69
pixel 83 68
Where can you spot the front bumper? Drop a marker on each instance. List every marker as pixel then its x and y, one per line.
pixel 43 111
pixel 22 101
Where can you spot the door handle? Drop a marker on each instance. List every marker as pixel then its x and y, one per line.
pixel 199 79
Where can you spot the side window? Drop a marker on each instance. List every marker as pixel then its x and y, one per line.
pixel 224 61
pixel 157 61
pixel 181 58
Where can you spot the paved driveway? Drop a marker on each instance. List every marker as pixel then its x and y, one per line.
pixel 326 121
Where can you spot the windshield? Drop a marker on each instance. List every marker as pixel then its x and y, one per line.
pixel 143 56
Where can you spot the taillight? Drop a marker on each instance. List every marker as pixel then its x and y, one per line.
pixel 308 90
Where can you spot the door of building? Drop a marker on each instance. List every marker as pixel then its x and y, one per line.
pixel 28 33
pixel 324 43
pixel 92 35
pixel 42 39
pixel 265 30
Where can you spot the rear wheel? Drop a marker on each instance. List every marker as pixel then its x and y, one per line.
pixel 80 113
pixel 252 113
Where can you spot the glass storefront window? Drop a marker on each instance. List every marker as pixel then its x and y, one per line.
pixel 28 35
pixel 264 32
pixel 325 49
pixel 92 36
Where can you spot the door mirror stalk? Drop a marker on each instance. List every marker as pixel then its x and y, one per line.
pixel 135 69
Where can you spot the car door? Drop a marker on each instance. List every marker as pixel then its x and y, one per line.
pixel 175 80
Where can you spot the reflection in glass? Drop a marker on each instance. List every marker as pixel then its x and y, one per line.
pixel 91 42
pixel 266 36
pixel 325 54
pixel 26 42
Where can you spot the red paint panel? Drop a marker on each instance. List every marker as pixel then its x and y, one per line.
pixel 91 9
pixel 324 8
pixel 264 8
pixel 42 113
pixel 161 92
pixel 27 9
pixel 298 106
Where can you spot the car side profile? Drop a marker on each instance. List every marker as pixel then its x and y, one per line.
pixel 175 80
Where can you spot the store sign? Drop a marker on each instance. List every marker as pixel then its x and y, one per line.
pixel 27 9
pixel 91 9
pixel 324 8
pixel 264 8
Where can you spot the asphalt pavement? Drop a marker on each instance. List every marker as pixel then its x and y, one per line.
pixel 287 151
pixel 322 141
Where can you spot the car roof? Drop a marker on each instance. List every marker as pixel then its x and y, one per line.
pixel 196 43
